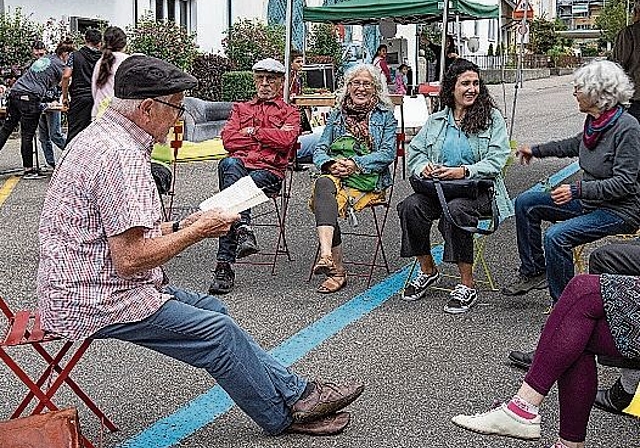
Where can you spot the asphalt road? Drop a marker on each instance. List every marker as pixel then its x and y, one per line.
pixel 421 366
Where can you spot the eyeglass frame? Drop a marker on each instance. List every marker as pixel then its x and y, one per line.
pixel 271 78
pixel 359 84
pixel 181 109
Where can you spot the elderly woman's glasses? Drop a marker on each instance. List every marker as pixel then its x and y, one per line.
pixel 359 84
pixel 180 107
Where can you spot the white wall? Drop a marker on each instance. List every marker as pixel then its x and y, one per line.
pixel 213 19
pixel 117 12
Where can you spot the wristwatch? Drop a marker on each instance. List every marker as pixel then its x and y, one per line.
pixel 175 226
pixel 251 130
pixel 466 171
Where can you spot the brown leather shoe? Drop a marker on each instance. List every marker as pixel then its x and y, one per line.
pixel 326 398
pixel 326 426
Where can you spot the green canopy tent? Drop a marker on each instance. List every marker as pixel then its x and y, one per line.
pixel 363 12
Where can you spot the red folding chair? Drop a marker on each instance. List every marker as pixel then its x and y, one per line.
pixel 24 329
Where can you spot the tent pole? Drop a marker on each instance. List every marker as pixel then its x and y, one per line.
pixel 416 78
pixel 287 51
pixel 445 20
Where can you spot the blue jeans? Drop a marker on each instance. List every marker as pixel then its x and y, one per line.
pixel 308 144
pixel 195 328
pixel 230 170
pixel 573 227
pixel 50 130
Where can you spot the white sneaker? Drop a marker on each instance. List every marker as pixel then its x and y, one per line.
pixel 461 299
pixel 502 422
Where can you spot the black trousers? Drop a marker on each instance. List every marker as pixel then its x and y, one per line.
pixel 79 115
pixel 623 259
pixel 325 207
pixel 23 109
pixel 417 213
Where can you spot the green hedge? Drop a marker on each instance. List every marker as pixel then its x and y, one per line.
pixel 238 86
pixel 208 69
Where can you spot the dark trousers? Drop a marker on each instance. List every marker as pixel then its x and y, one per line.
pixel 417 213
pixel 325 207
pixel 623 259
pixel 230 170
pixel 23 109
pixel 79 115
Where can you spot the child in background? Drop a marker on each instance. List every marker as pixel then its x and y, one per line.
pixel 401 79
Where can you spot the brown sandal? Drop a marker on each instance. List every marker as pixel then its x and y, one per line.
pixel 334 282
pixel 324 265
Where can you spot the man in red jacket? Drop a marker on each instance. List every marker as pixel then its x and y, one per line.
pixel 260 137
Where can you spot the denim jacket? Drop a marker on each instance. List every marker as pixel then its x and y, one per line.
pixel 490 150
pixel 382 126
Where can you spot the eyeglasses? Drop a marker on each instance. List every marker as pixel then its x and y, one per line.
pixel 181 109
pixel 577 89
pixel 358 84
pixel 271 79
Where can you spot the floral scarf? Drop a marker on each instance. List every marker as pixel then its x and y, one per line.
pixel 595 127
pixel 356 118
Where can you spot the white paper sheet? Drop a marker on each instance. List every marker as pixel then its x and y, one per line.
pixel 240 196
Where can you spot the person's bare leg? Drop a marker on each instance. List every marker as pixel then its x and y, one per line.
pixel 466 274
pixel 325 236
pixel 528 394
pixel 338 257
pixel 427 264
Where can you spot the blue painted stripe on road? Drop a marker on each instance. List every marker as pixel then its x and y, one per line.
pixel 209 406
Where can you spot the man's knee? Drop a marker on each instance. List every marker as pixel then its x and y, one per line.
pixel 408 205
pixel 554 237
pixel 528 199
pixel 229 162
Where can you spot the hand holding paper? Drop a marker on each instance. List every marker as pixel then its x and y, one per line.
pixel 240 196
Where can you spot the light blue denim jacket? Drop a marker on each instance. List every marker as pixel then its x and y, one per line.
pixel 382 126
pixel 490 150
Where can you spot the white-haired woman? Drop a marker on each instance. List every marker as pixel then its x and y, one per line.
pixel 606 201
pixel 353 154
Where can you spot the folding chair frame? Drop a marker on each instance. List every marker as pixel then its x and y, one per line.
pixel 24 329
pixel 280 203
pixel 379 259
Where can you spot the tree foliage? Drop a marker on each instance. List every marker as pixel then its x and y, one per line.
pixel 252 40
pixel 208 69
pixel 163 40
pixel 17 33
pixel 612 19
pixel 324 41
pixel 544 35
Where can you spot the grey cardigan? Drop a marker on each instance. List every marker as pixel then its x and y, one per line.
pixel 610 178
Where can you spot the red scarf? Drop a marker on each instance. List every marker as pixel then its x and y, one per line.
pixel 595 127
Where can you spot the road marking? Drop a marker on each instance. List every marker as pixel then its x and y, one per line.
pixel 7 188
pixel 204 409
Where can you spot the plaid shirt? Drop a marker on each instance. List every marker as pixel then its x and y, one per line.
pixel 101 188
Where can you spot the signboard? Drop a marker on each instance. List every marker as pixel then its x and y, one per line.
pixel 521 7
pixel 523 33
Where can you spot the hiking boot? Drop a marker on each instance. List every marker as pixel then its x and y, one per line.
pixel 502 422
pixel 247 244
pixel 416 289
pixel 613 400
pixel 223 279
pixel 461 299
pixel 524 284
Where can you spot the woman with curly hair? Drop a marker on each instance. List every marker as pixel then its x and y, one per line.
pixel 102 80
pixel 354 153
pixel 465 140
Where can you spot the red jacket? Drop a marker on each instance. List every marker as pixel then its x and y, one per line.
pixel 269 148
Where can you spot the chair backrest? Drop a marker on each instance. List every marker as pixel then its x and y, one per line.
pixel 206 116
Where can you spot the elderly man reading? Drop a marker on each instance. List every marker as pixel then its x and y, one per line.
pixel 260 137
pixel 102 245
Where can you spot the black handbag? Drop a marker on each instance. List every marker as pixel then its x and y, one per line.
pixel 446 190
